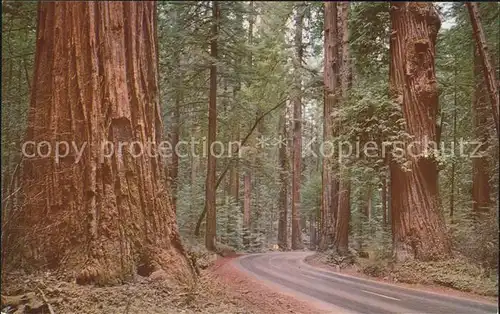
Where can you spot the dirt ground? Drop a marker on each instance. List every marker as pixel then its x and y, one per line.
pixel 221 289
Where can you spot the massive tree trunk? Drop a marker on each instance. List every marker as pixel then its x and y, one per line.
pixel 341 236
pixel 210 187
pixel 341 239
pixel 480 170
pixel 329 103
pixel 488 69
pixel 297 134
pixel 105 214
pixel 418 225
pixel 283 198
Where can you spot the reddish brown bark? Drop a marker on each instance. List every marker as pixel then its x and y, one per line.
pixel 330 74
pixel 341 238
pixel 480 169
pixel 297 135
pixel 211 188
pixel 101 218
pixel 283 197
pixel 488 69
pixel 417 222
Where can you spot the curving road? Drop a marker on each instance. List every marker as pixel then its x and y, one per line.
pixel 340 293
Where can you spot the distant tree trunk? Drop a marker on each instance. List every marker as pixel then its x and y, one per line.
pixel 210 188
pixel 480 169
pixel 341 236
pixel 488 69
pixel 329 103
pixel 103 217
pixel 368 203
pixel 234 174
pixel 418 225
pixel 312 233
pixel 247 177
pixel 384 199
pixel 297 134
pixel 247 190
pixel 283 198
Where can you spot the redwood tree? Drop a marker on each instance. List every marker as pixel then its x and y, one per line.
pixel 484 57
pixel 480 170
pixel 297 134
pixel 210 187
pixel 102 217
pixel 341 236
pixel 417 222
pixel 283 196
pixel 330 74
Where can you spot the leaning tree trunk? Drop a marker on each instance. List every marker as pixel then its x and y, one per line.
pixel 480 170
pixel 488 69
pixel 297 135
pixel 211 188
pixel 418 224
pixel 329 102
pixel 106 214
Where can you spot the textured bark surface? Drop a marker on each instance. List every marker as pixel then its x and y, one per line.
pixel 329 102
pixel 297 134
pixel 283 201
pixel 480 169
pixel 488 69
pixel 417 222
pixel 102 218
pixel 210 187
pixel 341 239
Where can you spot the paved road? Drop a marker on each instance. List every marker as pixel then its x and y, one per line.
pixel 346 294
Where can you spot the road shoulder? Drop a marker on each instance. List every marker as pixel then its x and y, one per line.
pixel 258 296
pixel 316 261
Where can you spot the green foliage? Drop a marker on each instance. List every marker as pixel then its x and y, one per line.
pixel 455 273
pixel 229 224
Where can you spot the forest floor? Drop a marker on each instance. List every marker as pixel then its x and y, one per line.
pixel 452 278
pixel 221 288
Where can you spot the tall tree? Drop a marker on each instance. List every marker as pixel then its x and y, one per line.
pixel 488 69
pixel 341 238
pixel 417 222
pixel 102 215
pixel 283 201
pixel 297 131
pixel 480 169
pixel 330 74
pixel 210 187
